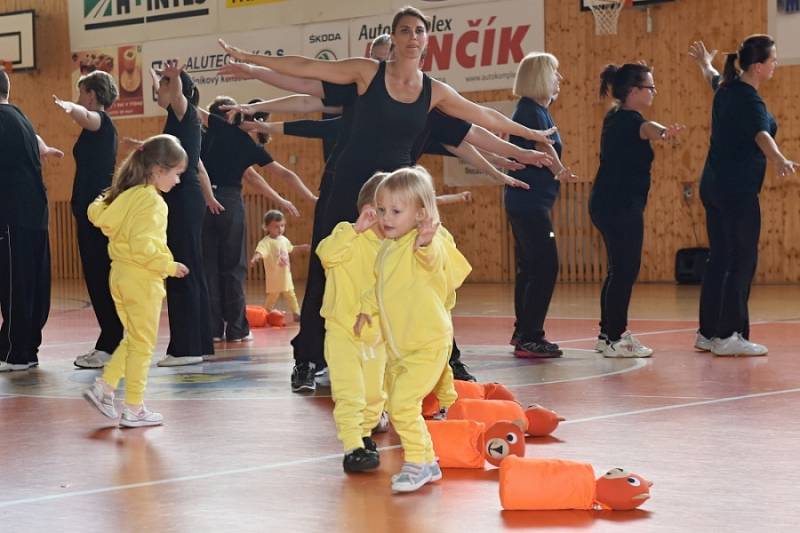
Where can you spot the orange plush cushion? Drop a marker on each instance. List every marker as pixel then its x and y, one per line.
pixel 464 389
pixel 488 411
pixel 498 391
pixel 256 316
pixel 457 443
pixel 545 484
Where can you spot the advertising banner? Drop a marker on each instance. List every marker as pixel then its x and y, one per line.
pixel 327 40
pixel 237 15
pixel 124 63
pixel 472 47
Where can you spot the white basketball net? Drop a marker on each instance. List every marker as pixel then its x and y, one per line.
pixel 606 14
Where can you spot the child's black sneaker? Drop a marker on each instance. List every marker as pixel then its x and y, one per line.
pixel 361 460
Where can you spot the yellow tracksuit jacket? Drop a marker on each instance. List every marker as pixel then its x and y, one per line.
pixel 356 365
pixel 136 226
pixel 413 294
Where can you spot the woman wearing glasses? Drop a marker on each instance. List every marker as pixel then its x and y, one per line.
pixel 619 196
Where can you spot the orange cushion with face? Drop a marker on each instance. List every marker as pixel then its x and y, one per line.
pixel 276 319
pixel 256 316
pixel 545 484
pixel 464 389
pixel 457 443
pixel 541 421
pixel 488 412
pixel 621 490
pixel 498 391
pixel 503 439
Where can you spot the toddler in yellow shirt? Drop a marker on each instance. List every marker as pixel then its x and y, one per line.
pixel 274 250
pixel 417 270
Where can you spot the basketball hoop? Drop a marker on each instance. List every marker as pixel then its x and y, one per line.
pixel 606 14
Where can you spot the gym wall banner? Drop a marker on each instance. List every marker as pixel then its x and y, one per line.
pixel 237 15
pixel 472 47
pixel 784 26
pixel 122 62
pixel 327 40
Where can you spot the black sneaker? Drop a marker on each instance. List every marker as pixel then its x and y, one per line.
pixel 369 444
pixel 537 350
pixel 461 372
pixel 303 378
pixel 361 460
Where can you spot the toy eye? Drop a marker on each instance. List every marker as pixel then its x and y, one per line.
pixel 511 438
pixel 634 482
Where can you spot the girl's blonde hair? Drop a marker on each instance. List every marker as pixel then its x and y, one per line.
pixel 535 75
pixel 160 150
pixel 415 185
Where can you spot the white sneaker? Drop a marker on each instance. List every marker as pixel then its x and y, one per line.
pixel 383 424
pixel 93 359
pixel 322 378
pixel 144 417
pixel 440 415
pixel 702 343
pixel 171 360
pixel 436 471
pixel 11 367
pixel 217 339
pixel 246 338
pixel 411 477
pixel 627 346
pixel 99 398
pixel 602 342
pixel 735 346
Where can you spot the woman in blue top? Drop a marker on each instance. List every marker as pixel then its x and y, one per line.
pixel 742 138
pixel 529 210
pixel 619 196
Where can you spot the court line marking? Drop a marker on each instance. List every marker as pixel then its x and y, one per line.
pixel 321 458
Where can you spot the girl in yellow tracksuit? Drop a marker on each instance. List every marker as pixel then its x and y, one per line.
pixel 356 365
pixel 417 271
pixel 133 215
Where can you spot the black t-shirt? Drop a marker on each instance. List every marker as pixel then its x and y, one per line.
pixel 95 154
pixel 738 115
pixel 544 187
pixel 623 179
pixel 314 129
pixel 441 129
pixel 335 94
pixel 23 198
pixel 706 178
pixel 188 132
pixel 228 152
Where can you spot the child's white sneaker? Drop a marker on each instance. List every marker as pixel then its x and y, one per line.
pixel 411 477
pixel 436 471
pixel 144 417
pixel 100 399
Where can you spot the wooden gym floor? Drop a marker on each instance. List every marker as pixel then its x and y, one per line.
pixel 239 452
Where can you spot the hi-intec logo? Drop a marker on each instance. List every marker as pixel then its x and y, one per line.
pixel 99 14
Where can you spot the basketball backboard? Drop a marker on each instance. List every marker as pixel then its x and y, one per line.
pixel 17 42
pixel 636 3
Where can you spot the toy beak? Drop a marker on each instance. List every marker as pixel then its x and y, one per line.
pixel 641 497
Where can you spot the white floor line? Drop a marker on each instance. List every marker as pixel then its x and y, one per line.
pixel 273 466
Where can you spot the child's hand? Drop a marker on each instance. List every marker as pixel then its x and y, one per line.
pixel 467 196
pixel 367 219
pixel 425 232
pixel 182 271
pixel 255 259
pixel 361 319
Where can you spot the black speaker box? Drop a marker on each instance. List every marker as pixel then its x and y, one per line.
pixel 690 265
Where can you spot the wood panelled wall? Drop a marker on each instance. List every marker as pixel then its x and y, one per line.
pixel 480 227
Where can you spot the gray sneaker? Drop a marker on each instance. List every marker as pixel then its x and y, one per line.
pixel 98 397
pixel 736 346
pixel 701 343
pixel 93 359
pixel 171 360
pixel 144 417
pixel 436 472
pixel 411 477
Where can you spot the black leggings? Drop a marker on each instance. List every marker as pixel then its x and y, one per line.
pixel 740 222
pixel 536 270
pixel 623 234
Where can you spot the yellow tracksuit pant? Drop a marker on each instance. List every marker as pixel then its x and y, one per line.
pixel 412 376
pixel 289 296
pixel 356 371
pixel 138 295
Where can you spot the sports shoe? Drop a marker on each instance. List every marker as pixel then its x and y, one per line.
pixel 440 415
pixel 702 343
pixel 361 460
pixel 514 339
pixel 461 371
pixel 411 477
pixel 93 359
pixel 383 424
pixel 436 471
pixel 303 378
pixel 735 346
pixel 246 338
pixel 144 417
pixel 100 399
pixel 12 367
pixel 537 350
pixel 627 346
pixel 217 339
pixel 322 378
pixel 602 342
pixel 369 444
pixel 171 360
